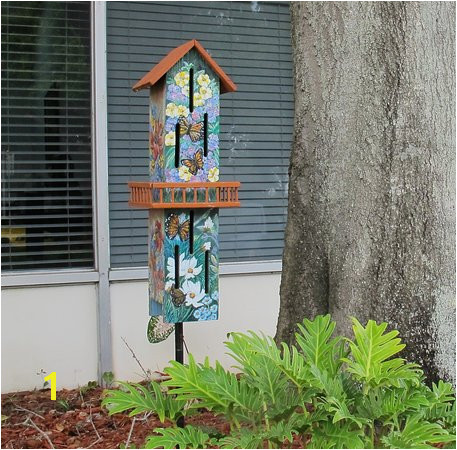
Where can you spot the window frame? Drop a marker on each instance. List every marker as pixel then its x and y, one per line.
pixel 27 278
pixel 30 277
pixel 226 269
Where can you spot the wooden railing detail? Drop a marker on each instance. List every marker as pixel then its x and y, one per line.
pixel 142 195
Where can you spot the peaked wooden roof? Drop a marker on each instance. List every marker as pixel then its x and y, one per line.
pixel 160 69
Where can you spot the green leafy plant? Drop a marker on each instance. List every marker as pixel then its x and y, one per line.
pixel 63 405
pixel 88 387
pixel 327 392
pixel 108 378
pixel 187 437
pixel 140 399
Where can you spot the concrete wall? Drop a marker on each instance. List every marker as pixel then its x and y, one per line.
pixel 49 328
pixel 247 302
pixel 55 329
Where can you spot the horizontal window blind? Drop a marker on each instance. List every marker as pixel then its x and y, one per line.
pixel 251 42
pixel 46 136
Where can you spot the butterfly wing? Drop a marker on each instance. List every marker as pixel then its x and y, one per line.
pixel 199 159
pixel 158 330
pixel 172 226
pixel 184 126
pixel 177 296
pixel 191 165
pixel 184 230
pixel 195 131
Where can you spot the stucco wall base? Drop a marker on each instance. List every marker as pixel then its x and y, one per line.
pixel 249 302
pixel 53 329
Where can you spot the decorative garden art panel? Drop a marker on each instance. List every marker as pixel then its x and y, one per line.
pixel 184 193
pixel 193 166
pixel 195 296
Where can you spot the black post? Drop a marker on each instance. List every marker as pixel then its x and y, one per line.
pixel 179 343
pixel 179 356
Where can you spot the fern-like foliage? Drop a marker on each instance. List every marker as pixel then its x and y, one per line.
pixel 244 438
pixel 275 434
pixel 335 399
pixel 441 406
pixel 187 437
pixel 216 389
pixel 261 362
pixel 246 347
pixel 329 392
pixel 294 366
pixel 339 435
pixel 296 423
pixel 318 346
pixel 138 399
pixel 389 403
pixel 417 433
pixel 372 352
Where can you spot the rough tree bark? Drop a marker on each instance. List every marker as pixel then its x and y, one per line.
pixel 371 219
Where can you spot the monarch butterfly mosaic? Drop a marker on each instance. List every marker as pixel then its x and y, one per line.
pixel 194 164
pixel 195 131
pixel 174 227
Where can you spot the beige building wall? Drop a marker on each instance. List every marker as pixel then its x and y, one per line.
pixel 248 302
pixel 55 329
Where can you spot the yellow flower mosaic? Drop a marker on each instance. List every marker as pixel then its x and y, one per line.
pixel 184 173
pixel 172 110
pixel 170 138
pixel 183 111
pixel 206 92
pixel 198 99
pixel 203 79
pixel 213 174
pixel 182 78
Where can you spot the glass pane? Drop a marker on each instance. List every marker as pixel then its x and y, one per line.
pixel 46 136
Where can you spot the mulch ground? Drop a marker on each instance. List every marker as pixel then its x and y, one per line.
pixel 76 420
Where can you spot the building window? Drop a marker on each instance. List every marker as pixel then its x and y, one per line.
pixel 46 136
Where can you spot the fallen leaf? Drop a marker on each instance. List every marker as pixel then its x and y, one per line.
pixel 33 443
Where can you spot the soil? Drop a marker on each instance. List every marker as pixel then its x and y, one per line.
pixel 76 420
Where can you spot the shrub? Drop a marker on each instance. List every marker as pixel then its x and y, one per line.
pixel 330 392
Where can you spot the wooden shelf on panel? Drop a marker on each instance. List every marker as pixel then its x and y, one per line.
pixel 160 195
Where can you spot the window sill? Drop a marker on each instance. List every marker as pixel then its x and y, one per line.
pixel 61 277
pixel 49 278
pixel 226 269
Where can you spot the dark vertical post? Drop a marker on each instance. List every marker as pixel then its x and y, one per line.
pixel 179 347
pixel 177 143
pixel 191 90
pixel 207 271
pixel 179 356
pixel 191 232
pixel 179 335
pixel 205 134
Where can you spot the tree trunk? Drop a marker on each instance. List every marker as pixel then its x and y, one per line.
pixel 371 219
